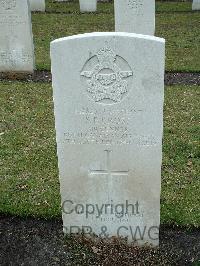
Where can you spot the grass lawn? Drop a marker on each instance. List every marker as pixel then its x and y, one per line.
pixel 29 174
pixel 166 6
pixel 180 29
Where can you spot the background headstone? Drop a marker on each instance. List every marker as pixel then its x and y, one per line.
pixel 108 104
pixel 137 16
pixel 196 5
pixel 16 41
pixel 88 5
pixel 37 5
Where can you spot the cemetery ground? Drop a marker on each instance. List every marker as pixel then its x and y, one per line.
pixel 30 198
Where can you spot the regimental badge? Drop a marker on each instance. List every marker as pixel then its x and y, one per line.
pixel 106 81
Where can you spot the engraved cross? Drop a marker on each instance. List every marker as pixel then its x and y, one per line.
pixel 108 170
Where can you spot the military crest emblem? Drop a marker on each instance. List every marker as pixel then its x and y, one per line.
pixel 106 75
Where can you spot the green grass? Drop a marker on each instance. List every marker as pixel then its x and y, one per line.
pixel 29 174
pixel 181 157
pixel 182 40
pixel 49 27
pixel 173 6
pixel 181 31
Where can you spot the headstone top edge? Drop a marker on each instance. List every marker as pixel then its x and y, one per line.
pixel 108 34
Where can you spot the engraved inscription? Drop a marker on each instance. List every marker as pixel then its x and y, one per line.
pixel 136 6
pixel 16 48
pixel 107 76
pixel 8 4
pixel 109 138
pixel 11 20
pixel 109 128
pixel 14 57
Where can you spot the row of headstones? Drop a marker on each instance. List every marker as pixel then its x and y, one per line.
pixel 108 105
pixel 16 42
pixel 91 5
pixel 108 91
pixel 85 5
pixel 16 46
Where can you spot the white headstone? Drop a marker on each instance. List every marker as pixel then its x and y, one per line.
pixel 37 5
pixel 196 5
pixel 16 41
pixel 88 5
pixel 108 100
pixel 137 16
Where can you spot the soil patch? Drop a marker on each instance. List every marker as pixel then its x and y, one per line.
pixel 171 78
pixel 32 241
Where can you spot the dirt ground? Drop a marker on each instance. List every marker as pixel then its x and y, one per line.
pixel 32 241
pixel 171 78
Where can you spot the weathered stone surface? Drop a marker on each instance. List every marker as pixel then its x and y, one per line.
pixel 108 100
pixel 88 5
pixel 16 41
pixel 137 16
pixel 37 5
